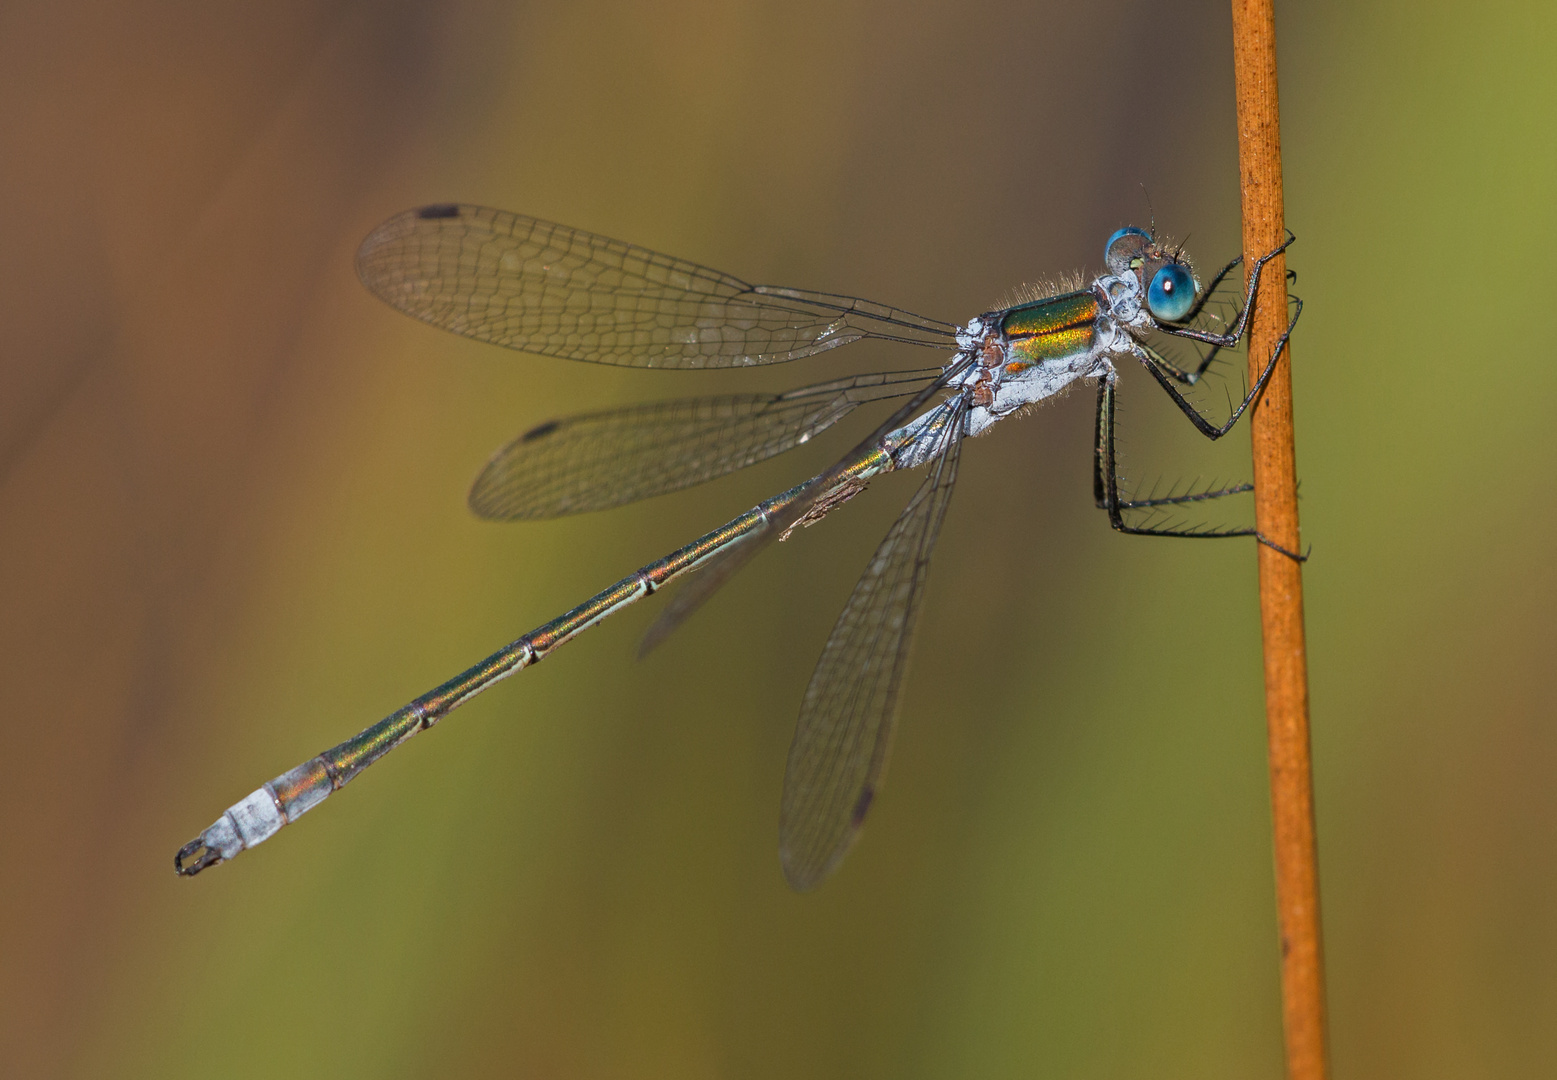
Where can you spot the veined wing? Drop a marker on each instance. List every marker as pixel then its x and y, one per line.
pixel 722 567
pixel 604 459
pixel 842 739
pixel 538 287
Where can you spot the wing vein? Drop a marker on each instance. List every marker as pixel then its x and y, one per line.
pixel 844 733
pixel 544 288
pixel 598 460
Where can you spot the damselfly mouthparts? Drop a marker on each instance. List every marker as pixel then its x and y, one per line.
pixel 543 288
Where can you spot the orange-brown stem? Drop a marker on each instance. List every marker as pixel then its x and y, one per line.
pixel 1281 578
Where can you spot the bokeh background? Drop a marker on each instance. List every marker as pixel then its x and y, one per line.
pixel 232 532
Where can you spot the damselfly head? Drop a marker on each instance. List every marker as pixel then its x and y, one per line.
pixel 1165 275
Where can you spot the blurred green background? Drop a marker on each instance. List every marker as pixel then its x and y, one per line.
pixel 232 532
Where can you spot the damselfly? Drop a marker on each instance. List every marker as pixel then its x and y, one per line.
pixel 543 288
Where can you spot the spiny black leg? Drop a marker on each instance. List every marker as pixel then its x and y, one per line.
pixel 1218 341
pixel 1232 337
pixel 1183 375
pixel 1155 364
pixel 1105 485
pixel 1189 497
pixel 1105 478
pixel 1105 482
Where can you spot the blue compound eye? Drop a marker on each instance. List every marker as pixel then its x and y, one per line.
pixel 1126 244
pixel 1172 293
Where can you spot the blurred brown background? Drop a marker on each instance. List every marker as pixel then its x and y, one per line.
pixel 232 532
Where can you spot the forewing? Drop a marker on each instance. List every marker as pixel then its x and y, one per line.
pixel 839 753
pixel 606 459
pixel 544 288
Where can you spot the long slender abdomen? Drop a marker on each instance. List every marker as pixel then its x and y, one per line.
pixel 286 798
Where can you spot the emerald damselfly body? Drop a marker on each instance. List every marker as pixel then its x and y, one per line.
pixel 543 288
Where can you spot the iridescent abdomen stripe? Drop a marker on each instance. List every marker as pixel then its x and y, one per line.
pixel 1054 327
pixel 293 793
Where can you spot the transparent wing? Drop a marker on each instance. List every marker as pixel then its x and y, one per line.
pixel 543 288
pixel 718 571
pixel 606 459
pixel 841 742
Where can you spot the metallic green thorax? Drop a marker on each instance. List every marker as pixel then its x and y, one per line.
pixel 1053 327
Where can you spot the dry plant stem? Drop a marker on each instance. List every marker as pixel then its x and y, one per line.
pixel 1281 578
